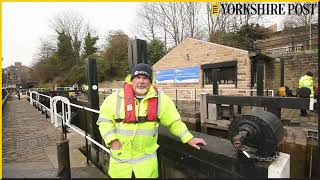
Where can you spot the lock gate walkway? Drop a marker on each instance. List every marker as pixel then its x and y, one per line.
pixel 29 145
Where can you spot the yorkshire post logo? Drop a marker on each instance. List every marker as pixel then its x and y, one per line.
pixel 264 8
pixel 215 9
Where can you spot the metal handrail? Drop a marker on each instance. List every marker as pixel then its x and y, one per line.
pixel 79 131
pixel 66 121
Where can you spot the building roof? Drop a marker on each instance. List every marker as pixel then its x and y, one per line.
pixel 198 44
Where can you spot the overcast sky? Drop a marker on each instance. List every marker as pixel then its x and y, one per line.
pixel 23 24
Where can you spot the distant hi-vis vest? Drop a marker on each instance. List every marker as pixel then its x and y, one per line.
pixel 307 81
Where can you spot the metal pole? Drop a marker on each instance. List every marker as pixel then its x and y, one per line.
pixel 63 159
pixel 93 102
pixel 215 82
pixel 62 120
pixel 195 99
pixel 176 98
pixel 46 111
pixel 282 72
pixel 260 77
pixel 93 96
pixel 86 131
pixel 310 31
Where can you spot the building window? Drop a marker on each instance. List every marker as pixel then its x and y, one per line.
pixel 227 72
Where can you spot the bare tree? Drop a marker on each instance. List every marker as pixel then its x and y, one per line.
pixel 45 51
pixel 214 23
pixel 74 26
pixel 217 24
pixel 172 21
pixel 146 21
pixel 192 12
pixel 296 20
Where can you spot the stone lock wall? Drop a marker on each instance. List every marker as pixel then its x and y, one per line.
pixel 295 66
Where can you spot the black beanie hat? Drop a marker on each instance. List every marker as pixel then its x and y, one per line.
pixel 309 73
pixel 142 69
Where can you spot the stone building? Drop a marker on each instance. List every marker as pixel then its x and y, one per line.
pixel 188 68
pixel 17 76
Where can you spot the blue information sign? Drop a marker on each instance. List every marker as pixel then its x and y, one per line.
pixel 187 75
pixel 165 76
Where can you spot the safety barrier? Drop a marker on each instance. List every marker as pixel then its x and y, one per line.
pixel 65 114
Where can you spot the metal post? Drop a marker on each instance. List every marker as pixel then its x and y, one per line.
pixel 282 72
pixel 176 98
pixel 137 52
pixel 46 111
pixel 63 152
pixel 93 102
pixel 215 82
pixel 310 31
pixel 63 159
pixel 260 77
pixel 63 125
pixel 195 99
pixel 86 131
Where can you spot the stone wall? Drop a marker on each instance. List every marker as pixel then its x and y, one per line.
pixel 295 65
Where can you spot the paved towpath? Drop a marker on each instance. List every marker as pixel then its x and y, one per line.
pixel 29 145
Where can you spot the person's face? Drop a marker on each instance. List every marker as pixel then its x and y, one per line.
pixel 141 85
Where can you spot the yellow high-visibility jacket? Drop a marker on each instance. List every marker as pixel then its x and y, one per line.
pixel 307 81
pixel 139 140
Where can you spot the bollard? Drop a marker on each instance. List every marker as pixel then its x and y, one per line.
pixel 63 159
pixel 46 111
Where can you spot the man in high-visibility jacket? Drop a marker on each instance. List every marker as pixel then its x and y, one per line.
pixel 129 121
pixel 306 81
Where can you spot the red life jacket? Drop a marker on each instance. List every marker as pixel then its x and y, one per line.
pixel 129 106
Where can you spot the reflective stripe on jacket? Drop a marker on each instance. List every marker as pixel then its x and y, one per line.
pixel 139 140
pixel 307 81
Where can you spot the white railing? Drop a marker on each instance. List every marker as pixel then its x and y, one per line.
pixel 65 114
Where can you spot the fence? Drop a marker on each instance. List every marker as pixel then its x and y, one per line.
pixel 65 115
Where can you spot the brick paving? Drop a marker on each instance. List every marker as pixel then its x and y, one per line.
pixel 29 144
